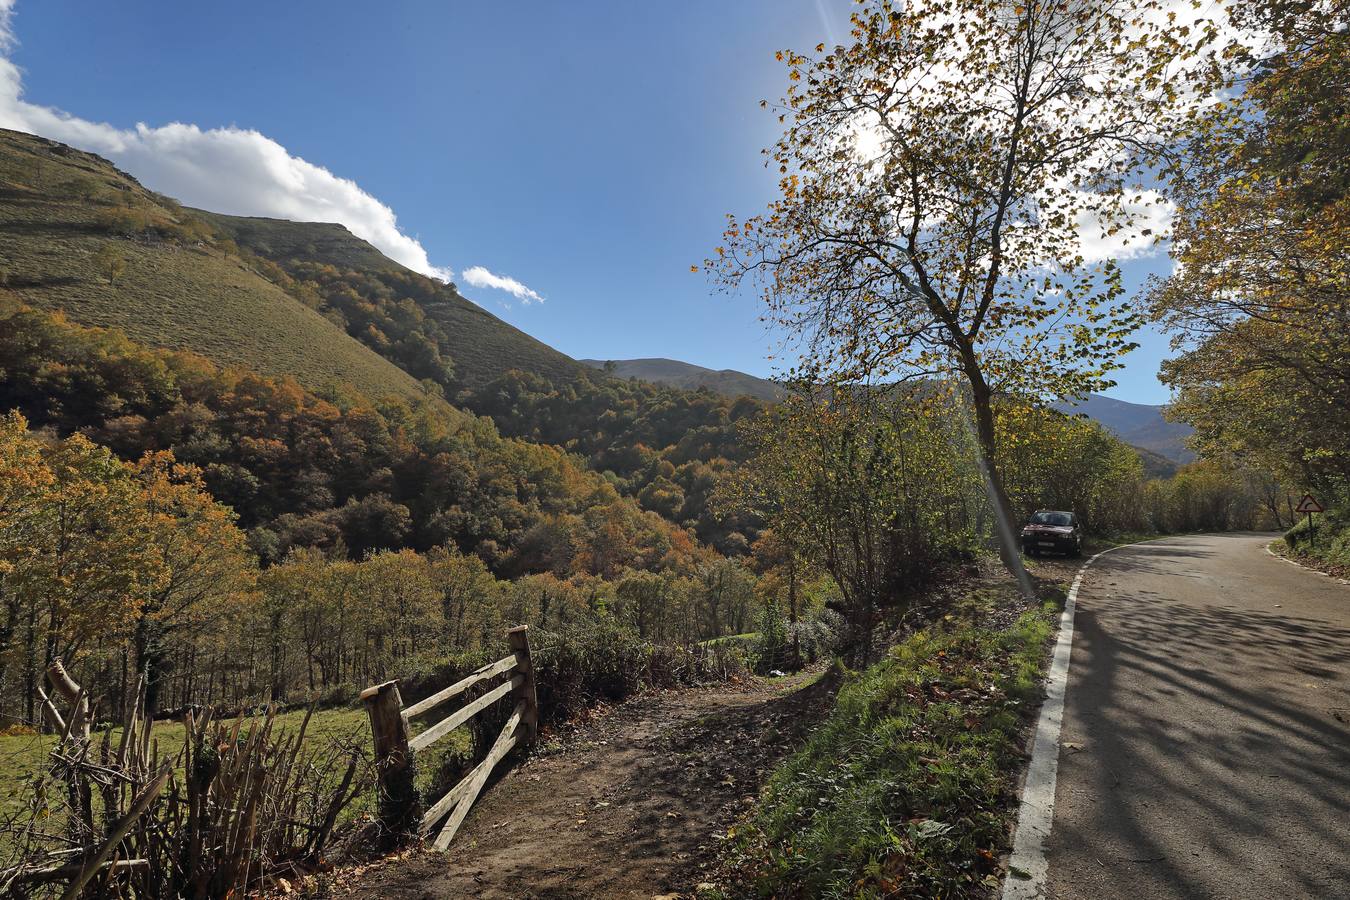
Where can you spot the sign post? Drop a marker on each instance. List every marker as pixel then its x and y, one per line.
pixel 1309 505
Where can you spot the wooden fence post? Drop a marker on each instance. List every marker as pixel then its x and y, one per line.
pixel 519 638
pixel 393 760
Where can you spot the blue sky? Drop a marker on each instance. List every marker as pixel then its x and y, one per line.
pixel 588 150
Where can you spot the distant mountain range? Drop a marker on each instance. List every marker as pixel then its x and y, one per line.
pixel 1140 424
pixel 1162 443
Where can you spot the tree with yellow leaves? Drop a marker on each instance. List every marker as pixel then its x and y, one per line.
pixel 943 177
pixel 1260 300
pixel 873 489
pixel 208 570
pixel 77 564
pixel 25 483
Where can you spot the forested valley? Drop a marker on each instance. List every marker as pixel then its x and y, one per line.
pixel 251 467
pixel 255 541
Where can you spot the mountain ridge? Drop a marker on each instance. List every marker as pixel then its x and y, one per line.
pixel 727 382
pixel 67 216
pixel 191 279
pixel 1139 424
pixel 242 291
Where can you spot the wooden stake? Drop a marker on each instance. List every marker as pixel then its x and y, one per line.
pixel 519 638
pixel 393 759
pixel 78 721
pixel 94 864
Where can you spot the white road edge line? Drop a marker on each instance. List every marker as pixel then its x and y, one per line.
pixel 1298 565
pixel 1037 811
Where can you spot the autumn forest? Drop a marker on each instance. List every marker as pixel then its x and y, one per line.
pixel 252 464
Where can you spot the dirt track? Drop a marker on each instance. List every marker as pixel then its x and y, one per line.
pixel 632 804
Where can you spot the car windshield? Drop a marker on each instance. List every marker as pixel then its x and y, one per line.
pixel 1052 518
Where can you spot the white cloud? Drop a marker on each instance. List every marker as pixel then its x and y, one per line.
pixel 230 170
pixel 479 277
pixel 1145 221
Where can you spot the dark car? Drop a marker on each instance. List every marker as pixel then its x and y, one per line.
pixel 1052 531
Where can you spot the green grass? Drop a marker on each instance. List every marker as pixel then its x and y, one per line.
pixel 179 296
pixel 908 789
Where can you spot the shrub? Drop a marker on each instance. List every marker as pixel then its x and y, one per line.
pixel 338 695
pixel 427 675
pixel 125 220
pixel 773 647
pixel 580 665
pixel 673 666
pixel 1329 540
pixel 817 637
pixel 81 187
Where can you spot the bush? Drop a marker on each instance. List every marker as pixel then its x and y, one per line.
pixel 782 646
pixel 338 695
pixel 774 650
pixel 127 221
pixel 1328 541
pixel 818 637
pixel 431 674
pixel 673 666
pixel 580 665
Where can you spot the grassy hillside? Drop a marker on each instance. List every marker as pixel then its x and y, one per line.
pixel 61 208
pixel 326 242
pixel 482 346
pixel 672 372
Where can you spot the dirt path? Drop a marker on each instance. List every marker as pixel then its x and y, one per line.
pixel 632 804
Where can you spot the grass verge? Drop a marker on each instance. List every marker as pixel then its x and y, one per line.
pixel 909 787
pixel 1325 547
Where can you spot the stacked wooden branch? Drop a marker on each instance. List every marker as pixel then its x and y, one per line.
pixel 236 803
pixel 249 802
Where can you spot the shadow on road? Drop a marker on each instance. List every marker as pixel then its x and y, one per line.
pixel 1212 718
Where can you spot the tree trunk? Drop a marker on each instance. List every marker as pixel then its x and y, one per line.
pixel 30 684
pixel 7 631
pixel 1004 523
pixel 151 661
pixel 275 657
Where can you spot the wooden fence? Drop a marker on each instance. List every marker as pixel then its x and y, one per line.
pixel 394 750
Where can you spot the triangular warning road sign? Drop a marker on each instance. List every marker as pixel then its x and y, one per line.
pixel 1308 505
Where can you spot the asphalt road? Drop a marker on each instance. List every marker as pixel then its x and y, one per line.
pixel 1205 749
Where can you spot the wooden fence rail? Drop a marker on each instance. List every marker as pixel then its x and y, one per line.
pixel 394 750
